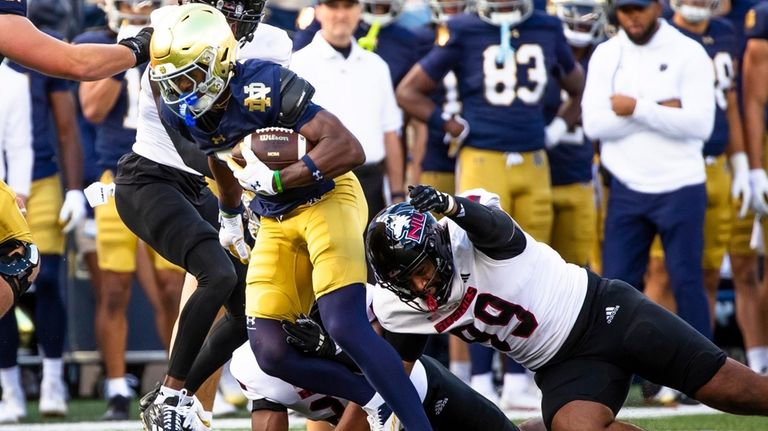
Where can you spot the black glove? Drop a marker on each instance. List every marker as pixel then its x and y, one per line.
pixel 139 45
pixel 309 337
pixel 427 198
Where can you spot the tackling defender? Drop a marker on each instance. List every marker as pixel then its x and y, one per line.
pixel 476 274
pixel 309 210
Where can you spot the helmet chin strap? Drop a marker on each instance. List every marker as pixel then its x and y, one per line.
pixel 505 49
pixel 431 303
pixel 188 101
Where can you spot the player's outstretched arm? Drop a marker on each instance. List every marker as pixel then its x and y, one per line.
pixel 490 229
pixel 23 43
pixel 336 151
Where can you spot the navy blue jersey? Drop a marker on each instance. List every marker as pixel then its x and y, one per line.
pixel 571 161
pixel 44 134
pixel 738 17
pixel 117 132
pixel 756 22
pixel 13 7
pixel 254 104
pixel 721 43
pixel 503 102
pixel 436 157
pixel 398 46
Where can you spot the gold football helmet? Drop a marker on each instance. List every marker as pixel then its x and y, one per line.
pixel 192 58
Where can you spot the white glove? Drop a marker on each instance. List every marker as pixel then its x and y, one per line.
pixel 73 210
pixel 759 182
pixel 554 132
pixel 740 187
pixel 456 140
pixel 231 236
pixel 255 176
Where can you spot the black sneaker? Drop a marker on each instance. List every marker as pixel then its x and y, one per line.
pixel 149 398
pixel 117 409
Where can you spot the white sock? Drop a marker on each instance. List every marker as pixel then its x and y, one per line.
pixel 757 358
pixel 53 369
pixel 118 386
pixel 166 392
pixel 375 401
pixel 482 383
pixel 515 383
pixel 10 380
pixel 462 370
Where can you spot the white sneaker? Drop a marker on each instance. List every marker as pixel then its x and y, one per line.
pixel 53 398
pixel 8 413
pixel 667 397
pixel 486 390
pixel 221 407
pixel 13 404
pixel 197 419
pixel 520 400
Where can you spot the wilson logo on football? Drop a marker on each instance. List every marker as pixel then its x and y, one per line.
pixel 273 138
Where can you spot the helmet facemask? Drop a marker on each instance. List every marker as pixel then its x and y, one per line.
pixel 399 241
pixel 383 11
pixel 508 13
pixel 583 21
pixel 192 90
pixel 695 11
pixel 243 16
pixel 129 12
pixel 443 10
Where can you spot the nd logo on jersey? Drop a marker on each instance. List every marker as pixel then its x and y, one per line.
pixel 257 99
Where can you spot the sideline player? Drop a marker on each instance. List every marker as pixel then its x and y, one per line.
pixel 306 208
pixel 477 274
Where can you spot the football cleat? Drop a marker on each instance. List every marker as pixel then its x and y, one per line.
pixel 149 398
pixel 170 415
pixel 117 409
pixel 53 398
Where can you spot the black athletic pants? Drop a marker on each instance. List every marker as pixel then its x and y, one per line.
pixel 176 214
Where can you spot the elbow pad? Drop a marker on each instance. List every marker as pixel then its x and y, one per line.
pixel 295 96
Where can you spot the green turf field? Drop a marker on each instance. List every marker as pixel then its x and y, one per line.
pixel 83 413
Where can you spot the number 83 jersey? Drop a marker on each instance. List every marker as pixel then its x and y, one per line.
pixel 524 306
pixel 502 90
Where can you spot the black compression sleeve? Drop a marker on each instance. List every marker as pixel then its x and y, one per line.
pixel 408 346
pixel 490 229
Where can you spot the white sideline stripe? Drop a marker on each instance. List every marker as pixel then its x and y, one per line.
pixel 244 423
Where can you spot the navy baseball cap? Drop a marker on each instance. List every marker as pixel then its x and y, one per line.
pixel 641 3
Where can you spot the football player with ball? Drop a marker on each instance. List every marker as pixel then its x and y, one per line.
pixel 312 211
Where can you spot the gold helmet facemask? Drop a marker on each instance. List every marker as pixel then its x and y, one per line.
pixel 192 58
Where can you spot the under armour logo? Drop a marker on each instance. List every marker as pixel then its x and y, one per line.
pixel 662 67
pixel 610 313
pixel 250 322
pixel 440 405
pixel 317 175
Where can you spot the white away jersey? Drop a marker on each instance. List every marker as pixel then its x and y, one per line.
pixel 258 385
pixel 269 43
pixel 524 306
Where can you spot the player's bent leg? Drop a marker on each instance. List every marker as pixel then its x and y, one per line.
pixel 736 389
pixel 581 415
pixel 345 319
pixel 278 359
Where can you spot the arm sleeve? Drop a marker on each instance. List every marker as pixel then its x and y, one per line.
pixel 696 117
pixel 490 229
pixel 19 156
pixel 599 120
pixel 408 346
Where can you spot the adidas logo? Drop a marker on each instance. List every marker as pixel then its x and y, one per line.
pixel 610 313
pixel 440 405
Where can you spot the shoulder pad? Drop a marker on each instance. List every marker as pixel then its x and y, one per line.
pixel 295 95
